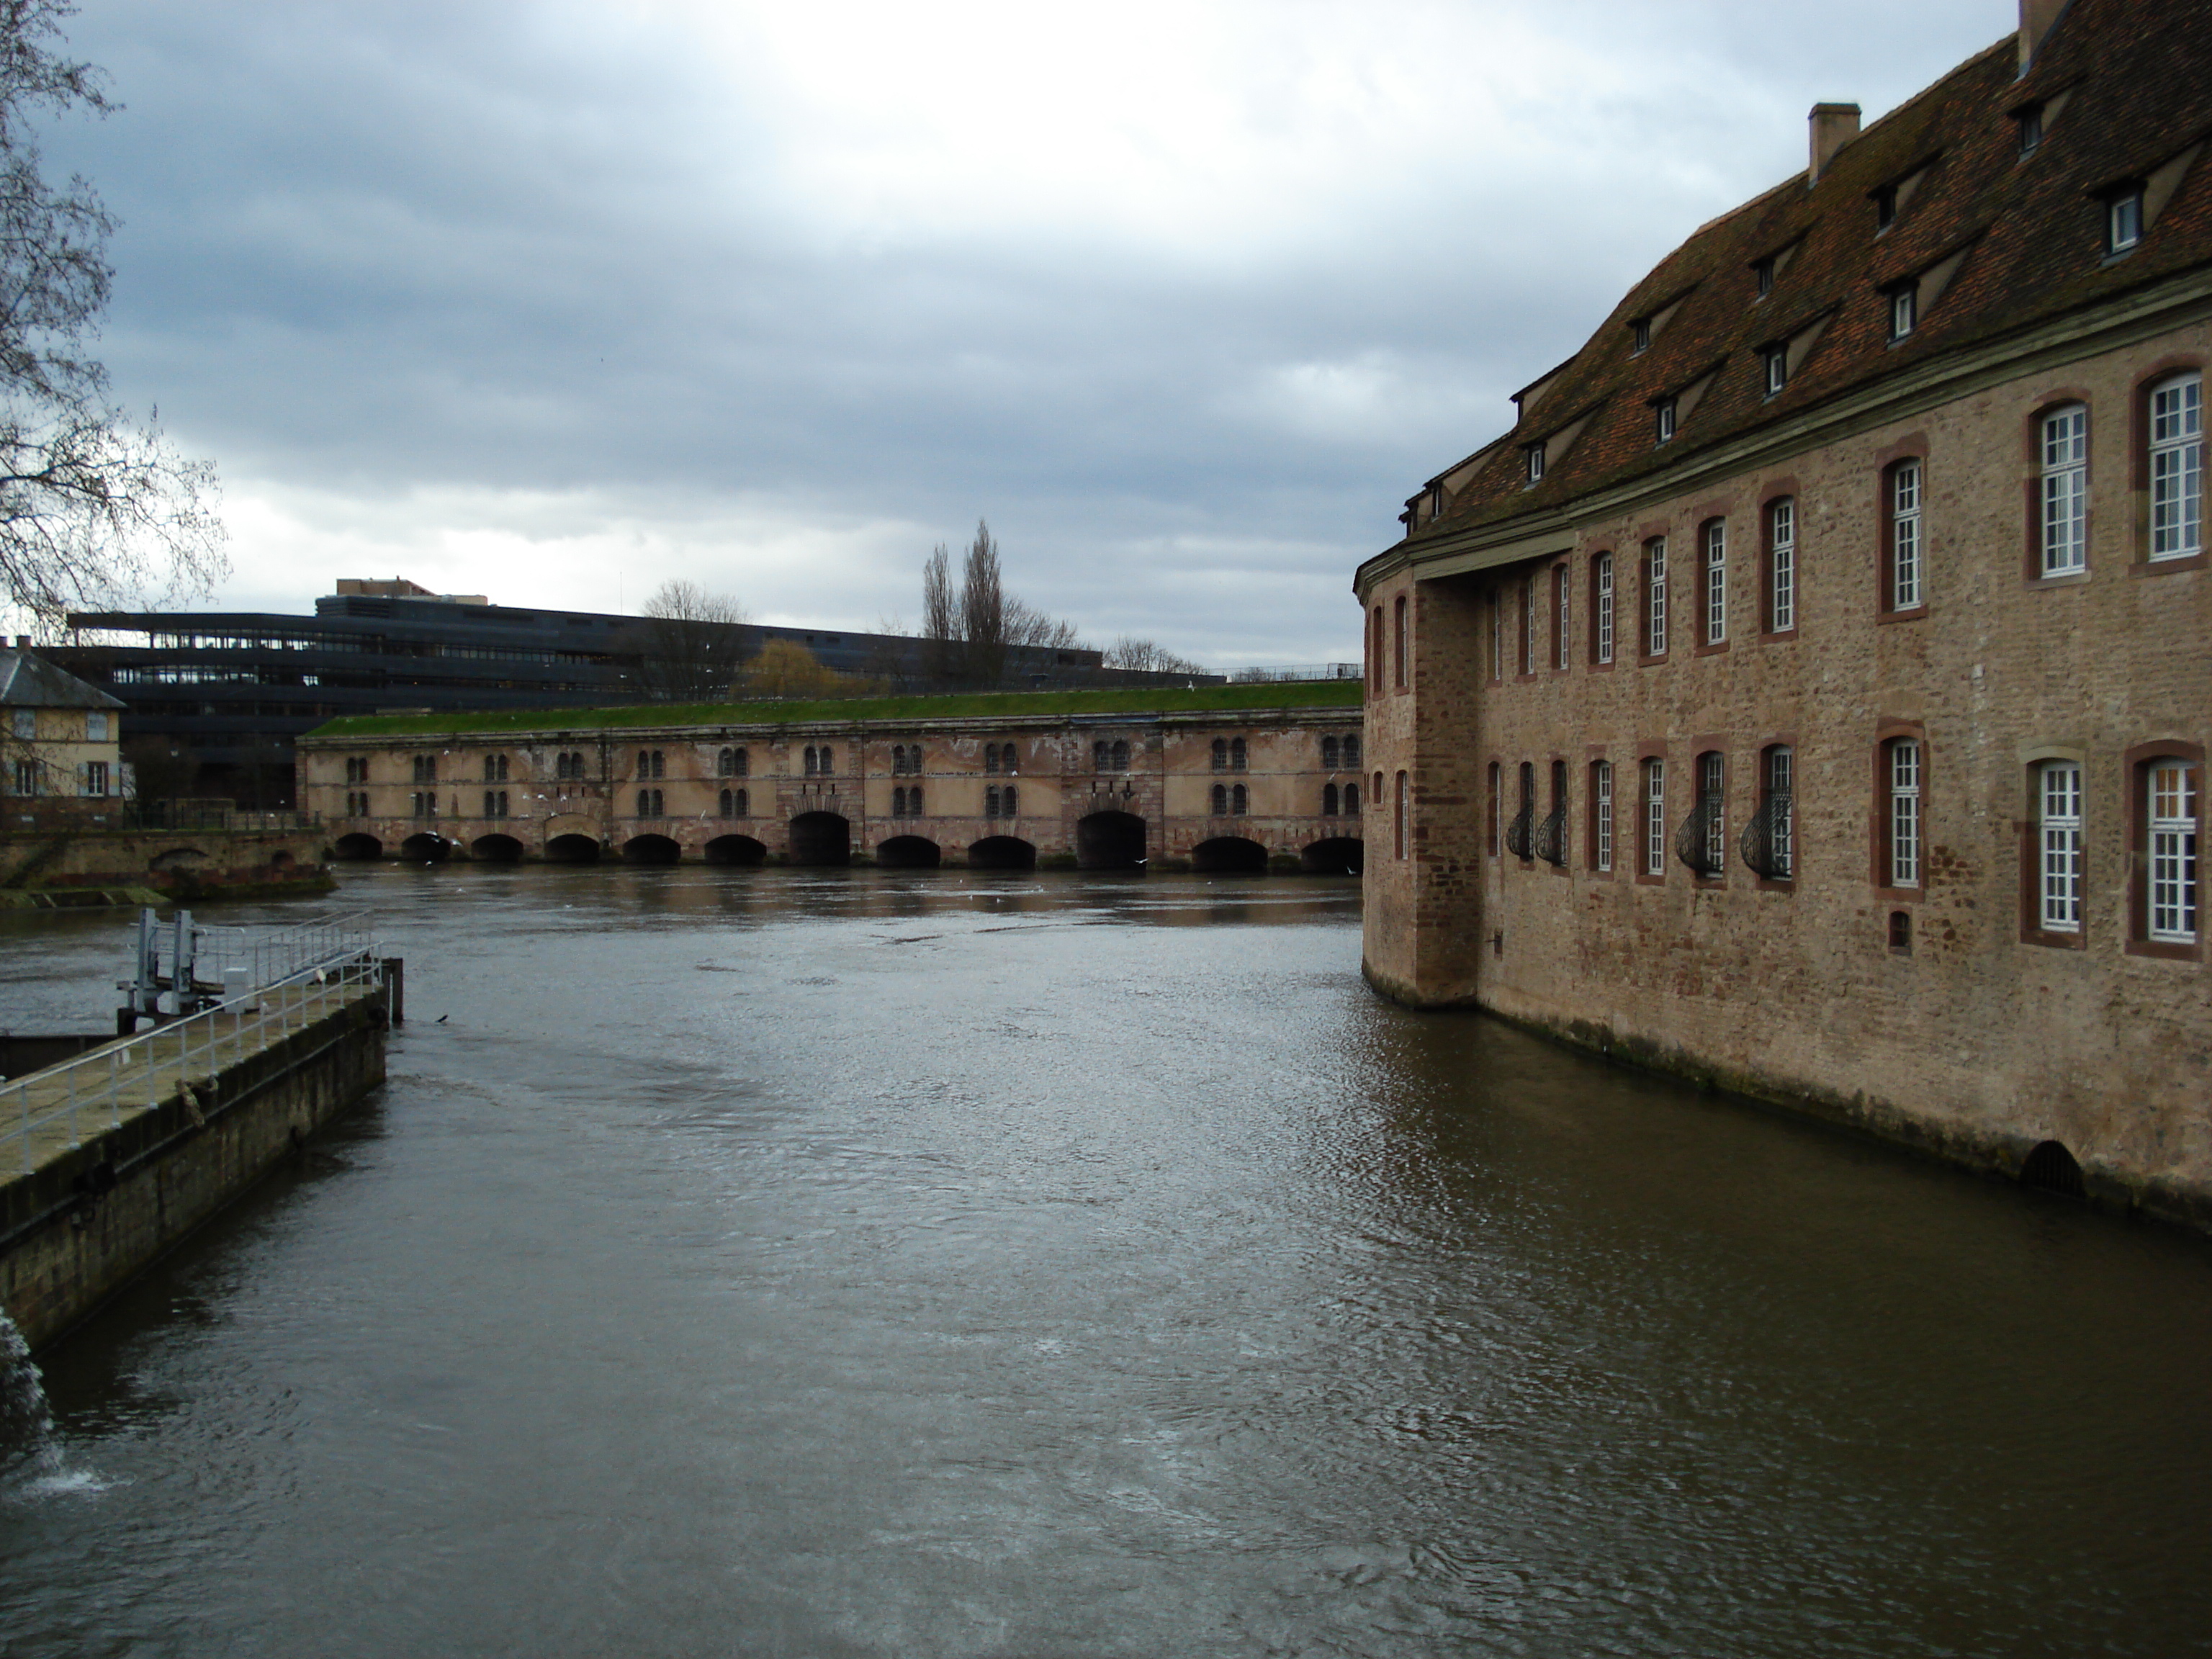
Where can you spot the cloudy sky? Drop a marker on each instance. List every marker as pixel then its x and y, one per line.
pixel 553 299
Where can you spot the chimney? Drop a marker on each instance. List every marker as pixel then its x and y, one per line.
pixel 2036 17
pixel 1835 125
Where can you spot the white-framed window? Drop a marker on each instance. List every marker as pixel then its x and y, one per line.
pixel 2124 221
pixel 1781 565
pixel 1777 368
pixel 1904 309
pixel 1904 814
pixel 1907 591
pixel 95 777
pixel 2065 491
pixel 1665 420
pixel 2172 802
pixel 1601 604
pixel 1602 816
pixel 1655 817
pixel 1639 334
pixel 1717 582
pixel 1655 596
pixel 1535 453
pixel 2058 877
pixel 2031 128
pixel 2176 467
pixel 1562 629
pixel 28 776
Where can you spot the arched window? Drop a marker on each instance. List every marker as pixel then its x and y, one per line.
pixel 1009 762
pixel 1551 834
pixel 2059 850
pixel 1903 779
pixel 645 762
pixel 1781 584
pixel 1601 607
pixel 1120 754
pixel 1351 800
pixel 1220 800
pixel 1351 751
pixel 1905 542
pixel 726 805
pixel 1221 754
pixel 1010 804
pixel 991 802
pixel 1715 575
pixel 2065 454
pixel 1239 802
pixel 1405 808
pixel 1099 753
pixel 1236 753
pixel 914 802
pixel 1655 817
pixel 1769 840
pixel 898 760
pixel 560 764
pixel 2176 467
pixel 1328 800
pixel 2170 788
pixel 1654 597
pixel 1521 832
pixel 743 803
pixel 645 803
pixel 1601 817
pixel 1328 752
pixel 1398 659
pixel 1491 828
pixel 1702 844
pixel 991 759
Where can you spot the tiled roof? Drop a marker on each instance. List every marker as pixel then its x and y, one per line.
pixel 2136 80
pixel 29 681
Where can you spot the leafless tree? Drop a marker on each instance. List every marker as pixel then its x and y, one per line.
pixel 983 609
pixel 1143 654
pixel 691 643
pixel 973 630
pixel 940 614
pixel 94 504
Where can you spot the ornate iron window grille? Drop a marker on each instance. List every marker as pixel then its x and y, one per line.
pixel 1519 833
pixel 1552 839
pixel 1693 841
pixel 1766 840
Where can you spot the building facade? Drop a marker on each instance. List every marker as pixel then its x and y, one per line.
pixel 1231 778
pixel 60 763
pixel 1810 694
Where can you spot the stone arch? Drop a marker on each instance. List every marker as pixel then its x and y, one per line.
pixel 909 853
pixel 1001 853
pixel 427 846
pixel 176 858
pixel 572 848
pixel 1334 855
pixel 1110 841
pixel 651 849
pixel 735 849
pixel 358 846
pixel 1229 856
pixel 496 849
pixel 821 838
pixel 2052 1168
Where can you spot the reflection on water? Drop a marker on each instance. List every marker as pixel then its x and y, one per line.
pixel 860 1263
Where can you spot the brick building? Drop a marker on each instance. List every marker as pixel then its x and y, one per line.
pixel 1810 693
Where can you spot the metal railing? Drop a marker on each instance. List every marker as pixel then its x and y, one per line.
pixel 97 1090
pixel 1699 843
pixel 1311 671
pixel 1550 841
pixel 269 957
pixel 1520 834
pixel 1766 843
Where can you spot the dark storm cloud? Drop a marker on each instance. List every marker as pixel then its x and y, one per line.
pixel 382 260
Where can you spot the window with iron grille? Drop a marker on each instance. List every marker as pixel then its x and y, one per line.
pixel 1240 802
pixel 1769 840
pixel 1551 833
pixel 1521 833
pixel 2065 491
pixel 1702 842
pixel 1221 754
pixel 2176 468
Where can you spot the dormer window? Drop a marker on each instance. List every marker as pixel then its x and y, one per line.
pixel 2124 220
pixel 2030 123
pixel 1640 332
pixel 1904 309
pixel 1885 207
pixel 1776 368
pixel 1664 410
pixel 1534 454
pixel 1436 502
pixel 1763 272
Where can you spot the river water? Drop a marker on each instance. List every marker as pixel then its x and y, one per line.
pixel 857 1263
